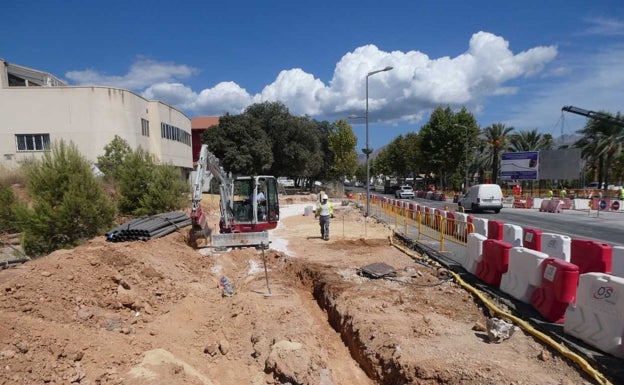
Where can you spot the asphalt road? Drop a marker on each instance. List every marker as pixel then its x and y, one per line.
pixel 603 226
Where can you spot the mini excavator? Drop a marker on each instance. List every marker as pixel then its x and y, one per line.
pixel 249 206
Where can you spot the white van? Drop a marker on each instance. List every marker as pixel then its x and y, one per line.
pixel 482 197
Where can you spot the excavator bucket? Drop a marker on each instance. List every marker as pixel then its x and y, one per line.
pixel 260 238
pixel 197 233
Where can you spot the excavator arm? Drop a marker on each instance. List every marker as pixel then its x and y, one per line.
pixel 594 115
pixel 199 224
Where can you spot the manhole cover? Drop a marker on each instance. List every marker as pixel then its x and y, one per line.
pixel 378 270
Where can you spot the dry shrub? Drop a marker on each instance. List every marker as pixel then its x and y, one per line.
pixel 11 176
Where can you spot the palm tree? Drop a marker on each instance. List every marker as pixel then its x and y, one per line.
pixel 530 141
pixel 496 139
pixel 601 145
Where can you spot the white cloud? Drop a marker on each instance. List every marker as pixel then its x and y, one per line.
pixel 296 89
pixel 175 94
pixel 415 85
pixel 604 26
pixel 593 82
pixel 222 98
pixel 143 73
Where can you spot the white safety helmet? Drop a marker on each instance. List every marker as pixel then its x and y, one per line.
pixel 324 197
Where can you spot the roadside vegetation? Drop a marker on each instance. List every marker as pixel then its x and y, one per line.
pixel 267 139
pixel 451 144
pixel 67 206
pixel 66 203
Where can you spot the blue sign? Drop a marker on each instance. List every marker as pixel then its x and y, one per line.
pixel 520 165
pixel 603 204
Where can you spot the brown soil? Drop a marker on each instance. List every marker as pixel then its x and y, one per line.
pixel 153 313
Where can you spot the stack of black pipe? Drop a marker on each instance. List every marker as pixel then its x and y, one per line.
pixel 145 228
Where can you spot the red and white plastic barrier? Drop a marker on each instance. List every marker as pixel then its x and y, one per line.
pixel 556 246
pixel 474 252
pixel 591 256
pixel 557 289
pixel 480 226
pixel 597 315
pixel 512 234
pixel 524 274
pixel 532 238
pixel 495 229
pixel 494 262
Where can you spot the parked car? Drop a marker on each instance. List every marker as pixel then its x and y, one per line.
pixel 594 186
pixel 482 197
pixel 404 192
pixel 286 182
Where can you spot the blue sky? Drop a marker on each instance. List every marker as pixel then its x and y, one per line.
pixel 508 62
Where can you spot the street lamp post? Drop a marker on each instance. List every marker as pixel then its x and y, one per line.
pixel 466 145
pixel 367 151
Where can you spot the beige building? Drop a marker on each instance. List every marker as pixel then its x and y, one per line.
pixel 36 109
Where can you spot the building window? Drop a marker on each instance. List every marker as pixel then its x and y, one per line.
pixel 32 142
pixel 145 127
pixel 175 133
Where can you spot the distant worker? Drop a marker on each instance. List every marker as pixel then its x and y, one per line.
pixel 563 193
pixel 550 194
pixel 324 211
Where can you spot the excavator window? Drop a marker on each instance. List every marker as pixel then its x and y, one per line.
pixel 243 204
pixel 272 199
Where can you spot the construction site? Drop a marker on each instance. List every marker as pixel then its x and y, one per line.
pixel 360 308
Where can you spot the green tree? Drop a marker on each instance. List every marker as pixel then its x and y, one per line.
pixel 147 188
pixel 413 154
pixel 8 200
pixel 360 173
pixel 601 145
pixel 393 159
pixel 133 178
pixel 444 142
pixel 166 191
pixel 68 202
pixel 241 144
pixel 530 141
pixel 114 154
pixel 342 142
pixel 266 138
pixel 496 137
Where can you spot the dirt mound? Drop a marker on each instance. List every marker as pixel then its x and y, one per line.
pixel 302 313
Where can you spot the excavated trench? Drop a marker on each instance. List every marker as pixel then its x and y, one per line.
pixel 327 288
pixel 414 319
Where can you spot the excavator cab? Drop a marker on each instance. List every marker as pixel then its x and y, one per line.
pixel 254 206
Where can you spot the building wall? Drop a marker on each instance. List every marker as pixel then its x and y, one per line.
pixel 90 117
pixel 200 124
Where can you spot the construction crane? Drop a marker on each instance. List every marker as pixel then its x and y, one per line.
pixel 594 115
pixel 249 206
